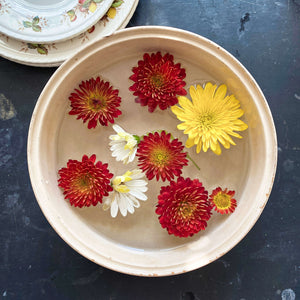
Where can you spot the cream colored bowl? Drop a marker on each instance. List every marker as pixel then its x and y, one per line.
pixel 137 244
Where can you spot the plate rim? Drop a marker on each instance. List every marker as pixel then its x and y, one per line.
pixel 270 165
pixel 9 52
pixel 36 37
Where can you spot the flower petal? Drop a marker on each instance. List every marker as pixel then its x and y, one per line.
pixel 114 208
pixel 139 195
pixel 122 205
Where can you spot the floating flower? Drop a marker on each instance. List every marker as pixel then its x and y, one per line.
pixel 128 190
pixel 211 117
pixel 222 201
pixel 94 101
pixel 123 145
pixel 157 81
pixel 161 157
pixel 84 182
pixel 183 207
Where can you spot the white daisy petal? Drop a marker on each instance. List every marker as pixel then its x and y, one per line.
pixel 114 208
pixel 116 146
pixel 138 195
pixel 118 128
pixel 116 139
pixel 130 207
pixel 120 154
pixel 134 201
pixel 123 155
pixel 107 204
pixel 136 183
pixel 142 189
pixel 132 155
pixel 137 174
pixel 122 205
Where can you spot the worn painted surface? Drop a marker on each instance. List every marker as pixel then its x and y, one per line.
pixel 36 264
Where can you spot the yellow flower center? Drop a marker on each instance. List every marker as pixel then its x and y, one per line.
pixel 119 182
pixel 222 200
pixel 160 157
pixel 83 183
pixel 130 140
pixel 186 209
pixel 206 120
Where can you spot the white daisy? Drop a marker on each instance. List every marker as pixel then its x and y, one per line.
pixel 123 145
pixel 128 190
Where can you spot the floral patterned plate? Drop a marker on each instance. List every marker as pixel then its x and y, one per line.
pixel 69 125
pixel 42 21
pixel 53 54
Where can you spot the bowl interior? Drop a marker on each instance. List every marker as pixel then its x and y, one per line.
pixel 137 244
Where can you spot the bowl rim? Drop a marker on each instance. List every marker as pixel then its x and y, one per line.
pixel 133 33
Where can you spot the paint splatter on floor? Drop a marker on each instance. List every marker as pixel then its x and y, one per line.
pixel 288 294
pixel 7 109
pixel 243 20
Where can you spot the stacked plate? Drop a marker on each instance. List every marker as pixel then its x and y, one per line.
pixel 45 33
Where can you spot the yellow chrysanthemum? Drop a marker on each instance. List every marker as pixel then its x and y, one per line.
pixel 211 117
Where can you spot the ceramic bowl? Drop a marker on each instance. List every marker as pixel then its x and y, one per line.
pixel 137 244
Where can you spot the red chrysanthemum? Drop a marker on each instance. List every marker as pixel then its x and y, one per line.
pixel 85 183
pixel 161 157
pixel 157 81
pixel 222 200
pixel 183 207
pixel 94 101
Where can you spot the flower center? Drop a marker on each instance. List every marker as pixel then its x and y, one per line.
pixel 206 120
pixel 83 182
pixel 130 142
pixel 97 104
pixel 222 200
pixel 122 188
pixel 160 157
pixel 119 182
pixel 186 209
pixel 157 80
